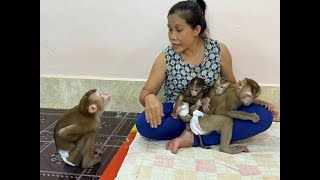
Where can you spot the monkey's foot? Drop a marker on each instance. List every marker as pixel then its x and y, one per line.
pixel 184 140
pixel 97 151
pixel 175 114
pixel 234 149
pixel 96 158
pixel 188 127
pixel 206 147
pixel 178 110
pixel 241 148
pixel 89 163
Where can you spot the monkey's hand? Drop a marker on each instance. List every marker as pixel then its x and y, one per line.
pixel 199 103
pixel 153 110
pixel 206 105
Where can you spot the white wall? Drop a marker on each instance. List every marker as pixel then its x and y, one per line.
pixel 121 38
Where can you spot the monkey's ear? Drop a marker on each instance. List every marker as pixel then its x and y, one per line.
pixel 244 81
pixel 226 84
pixel 223 79
pixel 218 80
pixel 92 108
pixel 238 84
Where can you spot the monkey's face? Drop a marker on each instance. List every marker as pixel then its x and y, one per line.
pixel 250 90
pixel 221 87
pixel 97 102
pixel 93 102
pixel 247 96
pixel 100 98
pixel 247 100
pixel 195 91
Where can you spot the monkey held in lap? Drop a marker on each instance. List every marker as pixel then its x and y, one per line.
pixel 221 109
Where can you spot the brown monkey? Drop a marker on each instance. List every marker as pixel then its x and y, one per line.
pixel 202 124
pixel 221 111
pixel 242 93
pixel 218 88
pixel 192 95
pixel 75 132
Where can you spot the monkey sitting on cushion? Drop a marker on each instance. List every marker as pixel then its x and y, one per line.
pixel 75 132
pixel 221 111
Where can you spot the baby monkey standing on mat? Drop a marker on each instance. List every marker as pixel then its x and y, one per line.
pixel 75 132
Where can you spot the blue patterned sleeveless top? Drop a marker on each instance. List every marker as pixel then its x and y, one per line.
pixel 180 73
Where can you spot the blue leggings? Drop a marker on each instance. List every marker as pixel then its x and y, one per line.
pixel 171 128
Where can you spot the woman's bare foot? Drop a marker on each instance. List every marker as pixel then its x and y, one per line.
pixel 184 140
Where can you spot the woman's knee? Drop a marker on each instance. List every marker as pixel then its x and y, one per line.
pixel 168 129
pixel 266 118
pixel 142 126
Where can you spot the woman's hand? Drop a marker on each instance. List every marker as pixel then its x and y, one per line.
pixel 153 110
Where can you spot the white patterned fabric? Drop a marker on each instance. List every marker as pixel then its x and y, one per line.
pixel 149 159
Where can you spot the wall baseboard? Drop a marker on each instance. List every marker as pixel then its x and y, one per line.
pixel 66 91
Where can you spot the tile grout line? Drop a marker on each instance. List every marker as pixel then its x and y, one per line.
pixel 45 147
pixel 108 157
pixel 112 148
pixel 120 124
pixel 69 174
